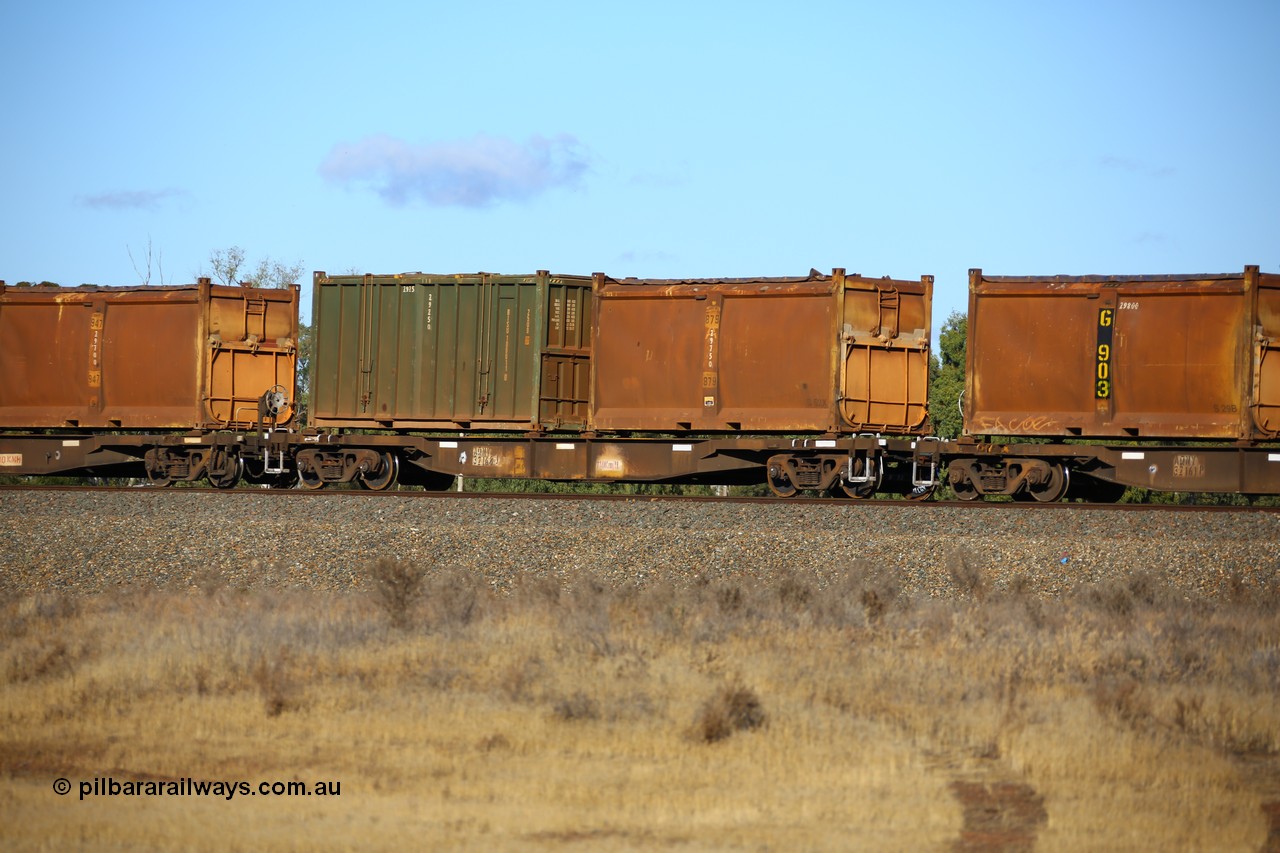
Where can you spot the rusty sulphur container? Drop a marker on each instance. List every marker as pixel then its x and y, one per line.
pixel 181 357
pixel 1167 356
pixel 824 353
pixel 470 351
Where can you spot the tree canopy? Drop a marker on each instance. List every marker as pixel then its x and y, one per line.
pixel 946 380
pixel 229 268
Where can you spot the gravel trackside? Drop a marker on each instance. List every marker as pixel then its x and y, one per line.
pixel 86 542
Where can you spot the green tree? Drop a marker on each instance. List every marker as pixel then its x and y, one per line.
pixel 306 346
pixel 946 377
pixel 229 267
pixel 226 264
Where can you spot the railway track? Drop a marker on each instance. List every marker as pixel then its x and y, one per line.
pixel 419 494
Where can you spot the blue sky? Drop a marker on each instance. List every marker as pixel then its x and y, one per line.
pixel 644 139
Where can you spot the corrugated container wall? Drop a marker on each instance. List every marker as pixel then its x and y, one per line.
pixel 472 351
pixel 184 357
pixel 1174 357
pixel 832 354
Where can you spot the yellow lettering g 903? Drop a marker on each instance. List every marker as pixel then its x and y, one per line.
pixel 1102 354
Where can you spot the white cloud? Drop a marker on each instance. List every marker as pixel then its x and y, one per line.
pixel 474 172
pixel 129 199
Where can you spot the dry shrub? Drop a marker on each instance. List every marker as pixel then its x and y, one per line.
pixel 1232 722
pixel 1189 715
pixel 398 588
pixel 586 615
pixel 663 607
pixel 517 680
pixel 40 657
pixel 535 591
pixel 494 743
pixel 453 598
pixel 1249 588
pixel 794 592
pixel 209 580
pixel 44 640
pixel 878 589
pixel 732 708
pixel 729 597
pixel 442 677
pixel 578 706
pixel 1123 698
pixel 969 577
pixel 1122 597
pixel 277 683
pixel 22 615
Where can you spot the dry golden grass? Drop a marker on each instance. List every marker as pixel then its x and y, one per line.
pixel 725 714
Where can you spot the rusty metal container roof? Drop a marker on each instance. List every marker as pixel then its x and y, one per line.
pixel 175 357
pixel 1164 356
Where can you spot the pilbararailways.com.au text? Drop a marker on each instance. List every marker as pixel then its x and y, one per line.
pixel 188 787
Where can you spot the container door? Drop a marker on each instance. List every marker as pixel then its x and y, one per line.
pixel 563 391
pixel 884 371
pixel 251 346
pixel 506 357
pixel 507 380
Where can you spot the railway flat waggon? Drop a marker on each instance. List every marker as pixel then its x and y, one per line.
pixel 826 353
pixel 473 352
pixel 1191 362
pixel 178 357
pixel 154 380
pixel 600 379
pixel 823 356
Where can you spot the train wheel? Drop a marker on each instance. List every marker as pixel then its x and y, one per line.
pixel 857 491
pixel 228 472
pixel 309 478
pixel 157 471
pixel 962 477
pixel 780 481
pixel 388 470
pixel 1054 488
pixel 966 491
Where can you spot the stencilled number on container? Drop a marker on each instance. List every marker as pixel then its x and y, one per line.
pixel 570 315
pixel 1128 305
pixel 1102 381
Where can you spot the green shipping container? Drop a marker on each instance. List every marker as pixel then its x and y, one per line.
pixel 472 351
